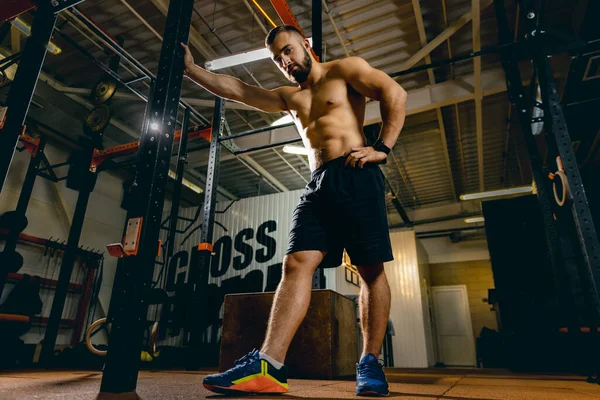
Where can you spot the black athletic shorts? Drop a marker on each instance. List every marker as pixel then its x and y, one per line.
pixel 343 208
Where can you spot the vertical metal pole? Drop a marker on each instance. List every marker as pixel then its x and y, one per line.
pixel 559 139
pixel 22 88
pixel 198 277
pixel 317 28
pixel 318 281
pixel 64 278
pixel 519 100
pixel 156 143
pixel 11 240
pixel 580 209
pixel 181 161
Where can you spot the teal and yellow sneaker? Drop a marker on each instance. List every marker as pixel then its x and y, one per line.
pixel 250 374
pixel 370 378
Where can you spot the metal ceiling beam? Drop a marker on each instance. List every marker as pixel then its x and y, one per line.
pixel 477 93
pixel 451 30
pixel 335 28
pixel 423 39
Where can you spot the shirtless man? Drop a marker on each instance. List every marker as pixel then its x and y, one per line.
pixel 343 205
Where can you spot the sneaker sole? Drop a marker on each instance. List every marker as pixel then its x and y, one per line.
pixel 373 394
pixel 227 390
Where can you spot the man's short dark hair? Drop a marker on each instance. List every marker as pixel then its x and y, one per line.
pixel 280 29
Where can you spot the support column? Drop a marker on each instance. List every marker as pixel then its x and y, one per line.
pixel 148 190
pixel 198 275
pixel 23 86
pixel 181 161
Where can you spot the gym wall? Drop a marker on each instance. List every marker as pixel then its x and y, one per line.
pixel 478 277
pixel 411 344
pixel 49 213
pixel 442 250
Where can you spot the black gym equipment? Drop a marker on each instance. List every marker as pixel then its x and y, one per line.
pixel 156 142
pixel 96 122
pixel 551 283
pixel 15 222
pixel 103 91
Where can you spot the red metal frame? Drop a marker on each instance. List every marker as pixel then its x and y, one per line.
pixel 287 16
pixel 84 290
pixel 30 143
pixel 13 8
pixel 46 283
pixel 129 148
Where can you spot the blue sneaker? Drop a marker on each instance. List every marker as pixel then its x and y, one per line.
pixel 370 378
pixel 250 374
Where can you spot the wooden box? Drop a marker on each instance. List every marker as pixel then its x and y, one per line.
pixel 324 347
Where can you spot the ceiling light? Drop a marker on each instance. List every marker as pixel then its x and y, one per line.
pixel 474 220
pixel 286 119
pixel 26 30
pixel 240 58
pixel 497 193
pixel 295 150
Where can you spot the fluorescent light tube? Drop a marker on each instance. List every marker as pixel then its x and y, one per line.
pixel 497 193
pixel 474 220
pixel 26 30
pixel 295 150
pixel 239 59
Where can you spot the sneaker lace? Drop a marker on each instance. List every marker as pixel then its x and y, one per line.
pixel 370 369
pixel 245 360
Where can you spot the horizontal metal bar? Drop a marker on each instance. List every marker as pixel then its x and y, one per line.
pixel 452 60
pixel 253 131
pixel 267 146
pixel 63 5
pixel 46 176
pixel 8 61
pixel 440 219
pixel 134 80
pixel 62 164
pixel 450 230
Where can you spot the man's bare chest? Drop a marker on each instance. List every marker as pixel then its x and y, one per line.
pixel 320 99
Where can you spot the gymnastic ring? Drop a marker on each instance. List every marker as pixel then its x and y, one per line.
pixel 88 336
pixel 565 187
pixel 153 339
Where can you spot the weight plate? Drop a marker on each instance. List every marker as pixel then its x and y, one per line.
pixel 13 221
pixel 11 260
pixel 103 91
pixel 97 120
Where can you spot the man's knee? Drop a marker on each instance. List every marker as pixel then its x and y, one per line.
pixel 302 263
pixel 370 273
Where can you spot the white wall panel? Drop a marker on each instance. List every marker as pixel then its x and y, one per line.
pixel 426 301
pixel 406 313
pixel 235 231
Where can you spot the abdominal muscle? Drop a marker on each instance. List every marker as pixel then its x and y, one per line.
pixel 331 136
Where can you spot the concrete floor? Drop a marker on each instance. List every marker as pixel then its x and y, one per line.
pixel 416 385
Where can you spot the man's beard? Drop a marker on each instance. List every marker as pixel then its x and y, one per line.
pixel 302 71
